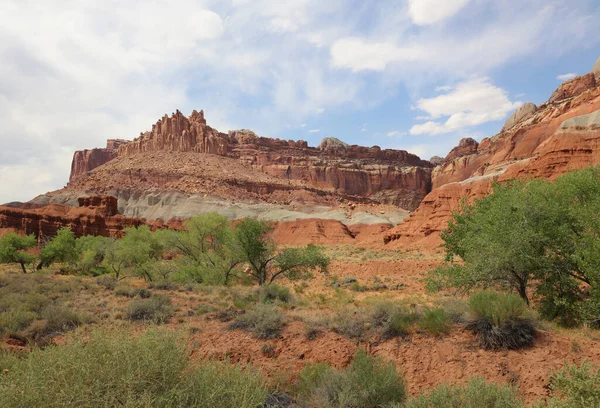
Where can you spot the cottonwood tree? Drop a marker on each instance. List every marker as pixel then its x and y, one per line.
pixel 60 248
pixel 208 248
pixel 266 262
pixel 14 248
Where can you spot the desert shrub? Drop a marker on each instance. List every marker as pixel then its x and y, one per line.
pixel 435 321
pixel 264 321
pixel 131 293
pixel 475 394
pixel 352 323
pixel 107 282
pixel 157 309
pixel 271 293
pixel 164 285
pixel 499 320
pixel 393 320
pixel 576 386
pixel 60 319
pixel 367 382
pixel 14 321
pixel 151 369
pixel 457 310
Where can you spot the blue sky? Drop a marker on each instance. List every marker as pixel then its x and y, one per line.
pixel 417 75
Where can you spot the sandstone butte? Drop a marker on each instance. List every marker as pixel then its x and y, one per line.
pixel 182 166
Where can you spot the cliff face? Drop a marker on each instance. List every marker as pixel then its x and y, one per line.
pixel 560 136
pixel 385 176
pixel 94 216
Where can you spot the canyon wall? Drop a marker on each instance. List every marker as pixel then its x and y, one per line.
pixel 383 175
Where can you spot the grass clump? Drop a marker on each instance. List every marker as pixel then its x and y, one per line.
pixel 393 320
pixel 475 394
pixel 351 323
pixel 435 321
pixel 576 386
pixel 131 293
pixel 368 382
pixel 500 321
pixel 151 369
pixel 273 293
pixel 158 309
pixel 264 321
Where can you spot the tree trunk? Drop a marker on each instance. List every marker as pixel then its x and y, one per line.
pixel 23 267
pixel 522 288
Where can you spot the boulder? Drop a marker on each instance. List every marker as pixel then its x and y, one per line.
pixel 520 114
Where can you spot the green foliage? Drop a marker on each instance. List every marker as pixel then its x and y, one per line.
pixel 435 321
pixel 91 251
pixel 151 369
pixel 264 321
pixel 500 321
pixel 475 394
pixel 135 253
pixel 210 253
pixel 14 249
pixel 157 309
pixel 499 308
pixel 266 264
pixel 576 386
pixel 368 382
pixel 61 248
pixel 272 293
pixel 531 231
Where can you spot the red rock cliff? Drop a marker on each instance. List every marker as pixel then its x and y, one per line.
pixel 560 136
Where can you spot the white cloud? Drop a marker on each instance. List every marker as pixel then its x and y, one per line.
pixel 360 55
pixel 426 12
pixel 444 88
pixel 566 77
pixel 314 131
pixel 395 133
pixel 303 125
pixel 471 103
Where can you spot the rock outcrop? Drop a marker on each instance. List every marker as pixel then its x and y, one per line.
pixel 383 175
pixel 573 88
pixel 596 70
pixel 95 216
pixel 520 114
pixel 560 136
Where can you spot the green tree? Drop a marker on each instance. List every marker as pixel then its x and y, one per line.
pixel 536 231
pixel 266 262
pixel 91 251
pixel 14 249
pixel 208 247
pixel 60 248
pixel 136 252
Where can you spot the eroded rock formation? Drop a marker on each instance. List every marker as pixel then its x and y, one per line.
pixel 560 136
pixel 95 216
pixel 383 175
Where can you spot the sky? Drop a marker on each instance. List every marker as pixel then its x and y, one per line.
pixel 416 75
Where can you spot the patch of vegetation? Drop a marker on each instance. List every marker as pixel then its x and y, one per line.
pixel 435 321
pixel 273 293
pixel 539 232
pixel 151 369
pixel 131 293
pixel 264 321
pixel 475 394
pixel 500 321
pixel 157 309
pixel 368 382
pixel 576 387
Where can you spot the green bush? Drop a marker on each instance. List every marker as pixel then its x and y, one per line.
pixel 393 320
pixel 351 323
pixel 271 293
pixel 60 319
pixel 14 321
pixel 367 382
pixel 435 321
pixel 499 320
pixel 576 386
pixel 264 321
pixel 158 309
pixel 152 369
pixel 475 394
